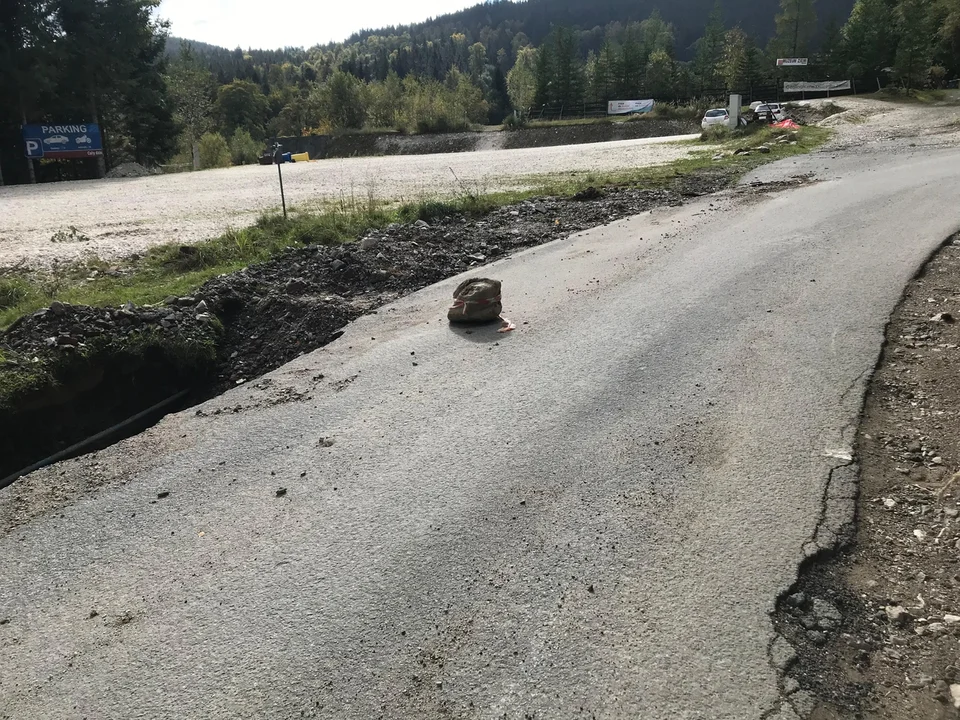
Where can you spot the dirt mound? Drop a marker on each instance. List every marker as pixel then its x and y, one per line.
pixel 64 328
pixel 598 132
pixel 808 113
pixel 300 300
pixel 128 170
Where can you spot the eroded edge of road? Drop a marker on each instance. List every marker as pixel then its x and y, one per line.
pixel 844 646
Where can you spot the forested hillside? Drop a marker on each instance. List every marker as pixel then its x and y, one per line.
pixel 483 63
pixel 497 23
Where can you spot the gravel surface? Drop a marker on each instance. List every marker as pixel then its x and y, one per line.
pixel 118 218
pixel 868 122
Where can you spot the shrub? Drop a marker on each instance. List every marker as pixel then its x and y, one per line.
pixel 716 133
pixel 515 122
pixel 244 150
pixel 214 152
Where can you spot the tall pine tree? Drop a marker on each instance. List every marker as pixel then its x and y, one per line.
pixel 869 39
pixel 915 49
pixel 796 26
pixel 709 51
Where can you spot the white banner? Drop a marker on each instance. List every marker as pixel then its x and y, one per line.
pixel 826 86
pixel 791 62
pixel 628 107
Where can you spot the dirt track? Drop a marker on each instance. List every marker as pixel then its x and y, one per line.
pixel 122 217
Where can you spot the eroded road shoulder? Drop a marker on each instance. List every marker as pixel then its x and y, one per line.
pixel 877 627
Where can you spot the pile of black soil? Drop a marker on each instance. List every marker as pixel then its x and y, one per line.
pixel 300 300
pixel 103 365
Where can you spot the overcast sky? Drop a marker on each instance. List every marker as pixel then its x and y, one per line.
pixel 280 23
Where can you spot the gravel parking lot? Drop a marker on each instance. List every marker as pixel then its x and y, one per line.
pixel 114 218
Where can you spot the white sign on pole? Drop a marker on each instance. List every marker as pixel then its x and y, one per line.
pixel 792 62
pixel 628 107
pixel 827 86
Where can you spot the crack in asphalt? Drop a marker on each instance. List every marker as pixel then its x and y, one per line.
pixel 816 548
pixel 840 507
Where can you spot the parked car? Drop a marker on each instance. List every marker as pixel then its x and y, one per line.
pixel 774 110
pixel 719 117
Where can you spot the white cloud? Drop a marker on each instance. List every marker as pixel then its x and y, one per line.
pixel 281 23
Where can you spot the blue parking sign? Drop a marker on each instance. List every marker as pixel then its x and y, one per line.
pixel 72 141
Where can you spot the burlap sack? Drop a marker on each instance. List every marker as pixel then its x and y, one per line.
pixel 476 301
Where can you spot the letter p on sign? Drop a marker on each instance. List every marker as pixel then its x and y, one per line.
pixel 34 148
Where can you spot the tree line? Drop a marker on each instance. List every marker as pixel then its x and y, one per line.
pixel 89 60
pixel 160 99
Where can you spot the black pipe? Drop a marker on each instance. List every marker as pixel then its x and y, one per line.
pixel 79 447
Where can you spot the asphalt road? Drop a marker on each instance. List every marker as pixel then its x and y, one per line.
pixel 588 518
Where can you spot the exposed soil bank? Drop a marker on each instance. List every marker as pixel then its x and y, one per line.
pixel 877 627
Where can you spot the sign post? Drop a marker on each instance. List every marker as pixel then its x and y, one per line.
pixel 278 159
pixel 72 142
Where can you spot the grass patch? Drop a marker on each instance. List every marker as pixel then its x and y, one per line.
pixel 23 378
pixel 14 291
pixel 716 134
pixel 660 177
pixel 179 270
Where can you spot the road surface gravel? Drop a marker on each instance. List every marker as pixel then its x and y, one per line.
pixel 592 516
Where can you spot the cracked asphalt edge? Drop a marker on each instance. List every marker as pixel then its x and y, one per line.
pixel 836 526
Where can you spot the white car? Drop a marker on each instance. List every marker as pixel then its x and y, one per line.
pixel 775 110
pixel 719 117
pixel 56 140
